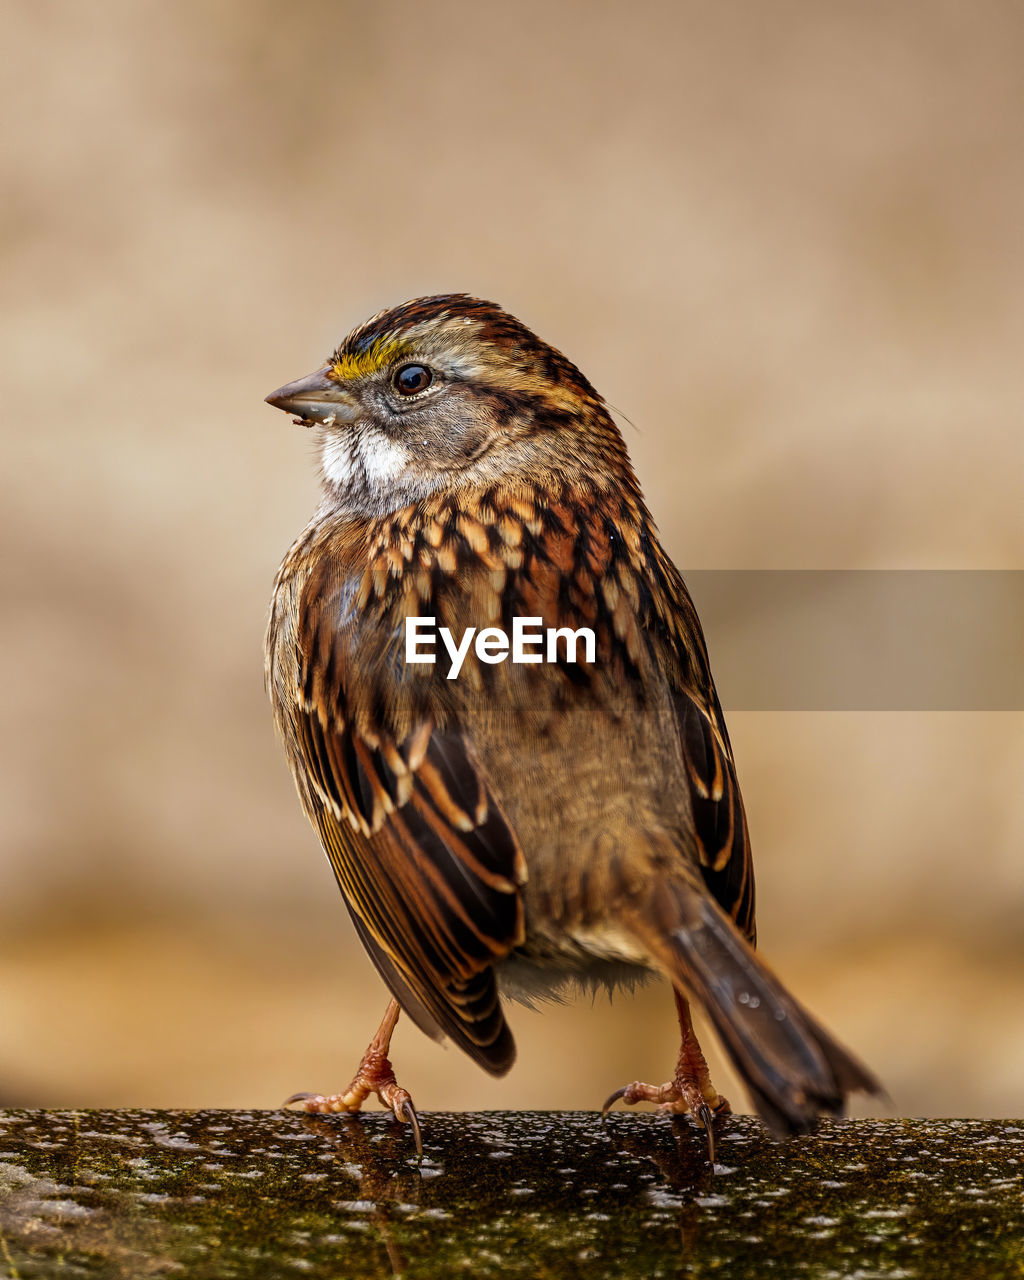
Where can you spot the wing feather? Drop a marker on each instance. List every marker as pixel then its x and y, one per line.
pixel 427 863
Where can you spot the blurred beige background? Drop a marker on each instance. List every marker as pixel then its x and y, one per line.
pixel 785 239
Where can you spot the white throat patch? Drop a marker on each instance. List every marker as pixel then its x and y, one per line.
pixel 362 458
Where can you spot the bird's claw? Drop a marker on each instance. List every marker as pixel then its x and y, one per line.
pixel 678 1098
pixel 705 1117
pixel 409 1112
pixel 391 1095
pixel 611 1100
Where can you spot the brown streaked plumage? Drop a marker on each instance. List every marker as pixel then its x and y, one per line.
pixel 523 826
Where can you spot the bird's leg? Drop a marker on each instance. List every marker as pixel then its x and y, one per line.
pixel 375 1075
pixel 690 1091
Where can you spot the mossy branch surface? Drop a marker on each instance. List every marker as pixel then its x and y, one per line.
pixel 269 1194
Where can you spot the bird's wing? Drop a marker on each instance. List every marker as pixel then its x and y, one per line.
pixel 605 568
pixel 675 648
pixel 720 823
pixel 429 866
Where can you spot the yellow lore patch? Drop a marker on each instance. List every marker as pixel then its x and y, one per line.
pixel 362 364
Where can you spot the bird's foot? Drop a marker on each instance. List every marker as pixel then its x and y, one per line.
pixel 376 1076
pixel 679 1096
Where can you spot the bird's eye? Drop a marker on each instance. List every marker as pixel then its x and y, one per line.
pixel 412 378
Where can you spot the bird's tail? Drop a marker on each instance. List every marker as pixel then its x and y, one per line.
pixel 794 1069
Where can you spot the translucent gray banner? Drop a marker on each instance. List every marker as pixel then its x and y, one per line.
pixel 864 640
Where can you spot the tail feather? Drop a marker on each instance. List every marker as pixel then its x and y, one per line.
pixel 793 1068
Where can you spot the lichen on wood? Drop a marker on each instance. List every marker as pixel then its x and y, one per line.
pixel 215 1194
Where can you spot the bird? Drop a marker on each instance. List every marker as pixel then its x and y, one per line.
pixel 508 829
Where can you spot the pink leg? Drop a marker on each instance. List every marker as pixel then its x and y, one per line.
pixel 376 1076
pixel 690 1091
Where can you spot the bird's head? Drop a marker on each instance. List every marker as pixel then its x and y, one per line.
pixel 443 392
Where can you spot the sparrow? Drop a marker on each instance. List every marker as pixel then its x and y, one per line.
pixel 503 828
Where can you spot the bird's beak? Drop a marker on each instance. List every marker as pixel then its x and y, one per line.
pixel 315 399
